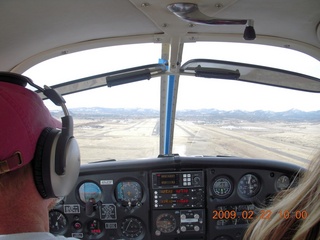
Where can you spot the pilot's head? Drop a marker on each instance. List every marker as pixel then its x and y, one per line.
pixel 29 134
pixel 23 117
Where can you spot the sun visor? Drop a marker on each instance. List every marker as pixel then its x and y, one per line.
pixel 250 73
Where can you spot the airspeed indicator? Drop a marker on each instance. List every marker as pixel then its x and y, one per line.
pixel 57 222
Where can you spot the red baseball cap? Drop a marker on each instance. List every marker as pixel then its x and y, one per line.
pixel 23 116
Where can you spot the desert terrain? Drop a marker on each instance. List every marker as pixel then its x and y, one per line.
pixel 104 138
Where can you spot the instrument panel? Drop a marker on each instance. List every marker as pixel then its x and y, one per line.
pixel 170 198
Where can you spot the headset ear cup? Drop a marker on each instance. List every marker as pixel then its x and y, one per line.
pixel 47 181
pixel 41 162
pixel 62 185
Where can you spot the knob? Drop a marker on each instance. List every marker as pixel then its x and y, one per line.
pixel 77 225
pixel 183 228
pixel 196 180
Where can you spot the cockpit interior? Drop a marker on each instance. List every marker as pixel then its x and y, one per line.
pixel 190 116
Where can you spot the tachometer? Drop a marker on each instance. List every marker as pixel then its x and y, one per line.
pixel 129 193
pixel 57 222
pixel 248 186
pixel 222 187
pixel 166 223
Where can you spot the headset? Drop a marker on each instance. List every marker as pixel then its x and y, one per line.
pixel 56 162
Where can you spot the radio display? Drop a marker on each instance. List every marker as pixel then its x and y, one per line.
pixel 168 179
pixel 177 180
pixel 174 201
pixel 174 191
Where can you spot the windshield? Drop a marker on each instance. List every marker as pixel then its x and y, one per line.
pixel 241 119
pixel 214 116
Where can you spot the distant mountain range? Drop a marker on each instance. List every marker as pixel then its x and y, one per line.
pixel 259 115
pixel 207 115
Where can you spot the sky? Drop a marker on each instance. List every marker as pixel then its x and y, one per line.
pixel 193 92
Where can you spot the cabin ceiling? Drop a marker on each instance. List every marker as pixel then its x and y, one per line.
pixel 35 30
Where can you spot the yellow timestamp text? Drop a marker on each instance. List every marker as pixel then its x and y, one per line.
pixel 261 214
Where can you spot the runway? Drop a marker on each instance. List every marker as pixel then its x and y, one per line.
pixel 139 138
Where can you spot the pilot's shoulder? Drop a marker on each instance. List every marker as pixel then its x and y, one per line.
pixel 34 236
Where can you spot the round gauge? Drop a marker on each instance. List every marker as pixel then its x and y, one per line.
pixel 283 182
pixel 131 227
pixel 94 227
pixel 166 223
pixel 90 192
pixel 248 186
pixel 222 187
pixel 57 222
pixel 129 193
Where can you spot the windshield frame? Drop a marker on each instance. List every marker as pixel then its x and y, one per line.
pixel 170 77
